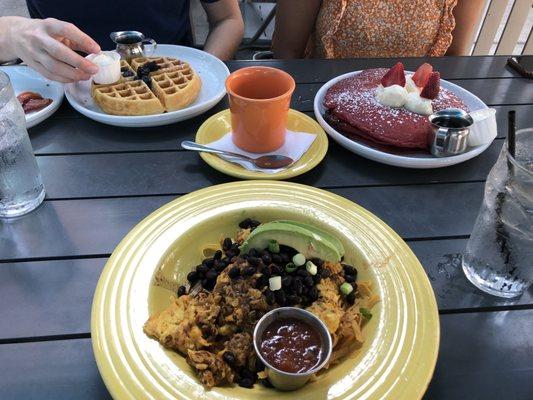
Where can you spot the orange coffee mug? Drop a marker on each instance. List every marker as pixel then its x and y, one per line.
pixel 259 99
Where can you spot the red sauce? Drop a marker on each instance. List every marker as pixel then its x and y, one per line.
pixel 291 345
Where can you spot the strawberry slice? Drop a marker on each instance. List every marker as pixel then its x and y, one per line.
pixel 432 87
pixel 422 74
pixel 394 76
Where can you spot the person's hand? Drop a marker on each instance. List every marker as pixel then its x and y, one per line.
pixel 47 45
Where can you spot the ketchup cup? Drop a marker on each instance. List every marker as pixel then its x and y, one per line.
pixel 283 380
pixel 259 99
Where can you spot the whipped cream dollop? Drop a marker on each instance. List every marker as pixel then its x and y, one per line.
pixel 108 63
pixel 418 105
pixel 410 85
pixel 392 96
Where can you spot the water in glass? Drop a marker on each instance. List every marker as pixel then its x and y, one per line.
pixel 21 188
pixel 499 254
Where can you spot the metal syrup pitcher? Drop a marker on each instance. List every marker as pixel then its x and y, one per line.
pixel 131 44
pixel 449 132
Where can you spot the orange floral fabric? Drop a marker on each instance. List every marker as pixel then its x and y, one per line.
pixel 383 28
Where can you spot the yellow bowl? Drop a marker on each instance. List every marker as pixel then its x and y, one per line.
pixel 219 124
pixel 402 339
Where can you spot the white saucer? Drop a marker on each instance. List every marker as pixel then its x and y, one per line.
pixel 25 79
pixel 408 161
pixel 211 70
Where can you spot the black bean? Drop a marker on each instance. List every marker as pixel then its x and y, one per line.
pixel 261 282
pixel 349 278
pixel 253 261
pixel 269 297
pixel 313 294
pixel 276 259
pixel 293 299
pixel 230 254
pixel 226 244
pixel 234 272
pixel 181 291
pixel 259 366
pixel 208 262
pixel 349 270
pixel 297 286
pixel 266 272
pixel 308 281
pixel 266 383
pixel 354 285
pixel 211 275
pixel 326 273
pixel 208 284
pixel 246 383
pixel 202 269
pixel 303 273
pixel 220 266
pixel 286 281
pixel 246 373
pixel 229 358
pixel 276 269
pixel 192 276
pixel 253 253
pixel 317 278
pixel 218 255
pixel 267 259
pixel 280 297
pixel 351 297
pixel 245 223
pixel 248 271
pixel 285 258
pixel 318 262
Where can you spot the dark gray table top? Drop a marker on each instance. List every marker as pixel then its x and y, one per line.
pixel 102 180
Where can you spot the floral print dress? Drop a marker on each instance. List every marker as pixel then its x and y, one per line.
pixel 383 28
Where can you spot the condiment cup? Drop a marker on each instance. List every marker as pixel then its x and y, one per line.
pixel 286 380
pixel 484 129
pixel 108 72
pixel 449 132
pixel 259 99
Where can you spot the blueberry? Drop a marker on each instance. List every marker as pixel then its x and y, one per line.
pixel 181 291
pixel 127 73
pixel 146 79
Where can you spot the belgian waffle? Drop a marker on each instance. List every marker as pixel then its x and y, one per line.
pixel 127 74
pixel 170 85
pixel 128 98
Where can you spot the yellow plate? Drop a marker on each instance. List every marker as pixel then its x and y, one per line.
pixel 220 124
pixel 402 339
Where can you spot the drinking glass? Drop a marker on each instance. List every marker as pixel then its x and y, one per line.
pixel 21 188
pixel 499 254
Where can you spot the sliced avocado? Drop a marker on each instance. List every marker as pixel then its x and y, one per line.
pixel 325 235
pixel 303 240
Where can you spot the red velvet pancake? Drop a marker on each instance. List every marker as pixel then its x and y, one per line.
pixel 352 103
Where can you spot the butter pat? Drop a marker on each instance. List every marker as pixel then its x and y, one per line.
pixel 108 63
pixel 418 105
pixel 392 96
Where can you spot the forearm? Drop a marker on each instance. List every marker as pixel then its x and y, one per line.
pixel 7 51
pixel 467 14
pixel 224 38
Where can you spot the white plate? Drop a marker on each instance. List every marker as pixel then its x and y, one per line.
pixel 411 161
pixel 212 71
pixel 25 79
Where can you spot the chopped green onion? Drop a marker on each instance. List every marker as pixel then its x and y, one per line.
pixel 273 246
pixel 290 267
pixel 346 288
pixel 274 283
pixel 298 260
pixel 311 268
pixel 365 313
